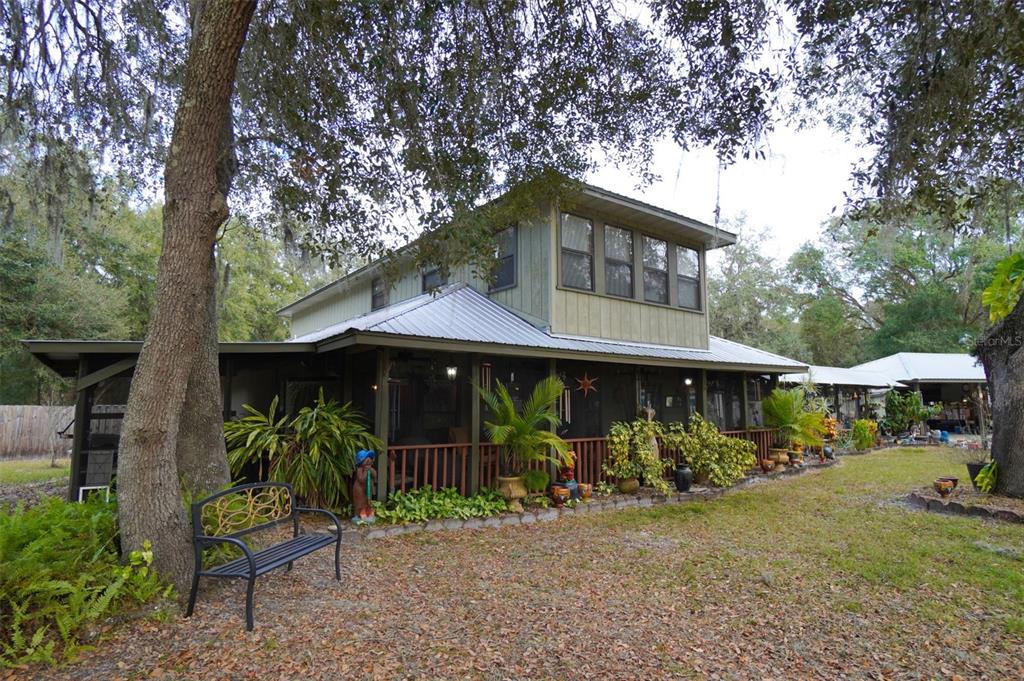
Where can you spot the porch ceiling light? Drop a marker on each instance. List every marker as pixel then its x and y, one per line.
pixel 688 381
pixel 452 372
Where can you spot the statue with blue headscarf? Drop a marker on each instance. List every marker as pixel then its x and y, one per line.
pixel 362 487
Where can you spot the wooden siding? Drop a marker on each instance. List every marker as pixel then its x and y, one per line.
pixel 335 307
pixel 588 314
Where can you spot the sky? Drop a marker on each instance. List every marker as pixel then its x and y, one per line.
pixel 791 192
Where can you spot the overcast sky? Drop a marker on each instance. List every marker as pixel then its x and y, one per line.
pixel 791 192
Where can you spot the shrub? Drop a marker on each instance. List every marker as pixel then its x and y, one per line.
pixel 723 459
pixel 904 410
pixel 59 571
pixel 864 433
pixel 523 432
pixel 425 503
pixel 631 453
pixel 315 451
pixel 536 481
pixel 796 420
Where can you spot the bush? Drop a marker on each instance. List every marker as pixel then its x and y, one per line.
pixel 796 420
pixel 631 454
pixel 723 459
pixel 864 433
pixel 424 503
pixel 59 571
pixel 903 411
pixel 315 451
pixel 536 481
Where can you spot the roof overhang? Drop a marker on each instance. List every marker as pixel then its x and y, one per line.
pixel 63 355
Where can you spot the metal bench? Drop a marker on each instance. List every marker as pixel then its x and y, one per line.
pixel 225 517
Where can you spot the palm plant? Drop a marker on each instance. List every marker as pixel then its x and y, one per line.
pixel 525 435
pixel 787 412
pixel 315 451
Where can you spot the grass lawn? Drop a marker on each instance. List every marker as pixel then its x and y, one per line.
pixel 20 471
pixel 824 576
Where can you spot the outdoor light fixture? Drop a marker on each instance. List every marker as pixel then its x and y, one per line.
pixel 452 372
pixel 688 381
pixel 373 387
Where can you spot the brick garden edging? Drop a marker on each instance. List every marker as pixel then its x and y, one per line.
pixel 614 502
pixel 937 505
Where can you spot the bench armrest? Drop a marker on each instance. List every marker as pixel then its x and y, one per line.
pixel 202 540
pixel 321 511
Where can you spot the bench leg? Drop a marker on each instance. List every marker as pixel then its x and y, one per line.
pixel 289 568
pixel 192 594
pixel 248 603
pixel 337 557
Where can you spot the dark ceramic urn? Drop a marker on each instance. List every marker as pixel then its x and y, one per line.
pixel 684 477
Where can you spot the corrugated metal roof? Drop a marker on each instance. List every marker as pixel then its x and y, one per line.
pixel 823 375
pixel 928 367
pixel 457 312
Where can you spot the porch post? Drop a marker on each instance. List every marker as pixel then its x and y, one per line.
pixel 553 372
pixel 474 425
pixel 78 434
pixel 744 406
pixel 381 413
pixel 702 393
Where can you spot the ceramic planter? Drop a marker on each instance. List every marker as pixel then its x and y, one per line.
pixel 972 472
pixel 514 491
pixel 683 478
pixel 629 485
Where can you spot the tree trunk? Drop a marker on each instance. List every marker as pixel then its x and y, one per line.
pixel 150 505
pixel 201 457
pixel 999 352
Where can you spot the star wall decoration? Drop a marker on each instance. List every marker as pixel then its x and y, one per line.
pixel 586 384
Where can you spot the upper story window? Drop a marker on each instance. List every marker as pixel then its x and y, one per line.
pixel 379 293
pixel 688 277
pixel 505 252
pixel 577 252
pixel 618 261
pixel 655 252
pixel 433 279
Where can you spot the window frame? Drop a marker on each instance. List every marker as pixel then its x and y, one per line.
pixel 630 263
pixel 663 272
pixel 695 280
pixel 562 249
pixel 514 256
pixel 442 279
pixel 373 294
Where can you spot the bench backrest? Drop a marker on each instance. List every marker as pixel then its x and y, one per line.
pixel 244 509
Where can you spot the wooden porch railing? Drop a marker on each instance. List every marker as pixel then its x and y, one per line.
pixel 437 466
pixel 448 465
pixel 762 437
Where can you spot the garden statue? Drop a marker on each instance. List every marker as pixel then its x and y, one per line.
pixel 362 488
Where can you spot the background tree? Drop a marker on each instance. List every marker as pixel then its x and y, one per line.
pixel 750 299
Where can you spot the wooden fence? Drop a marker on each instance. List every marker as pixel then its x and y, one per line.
pixel 28 430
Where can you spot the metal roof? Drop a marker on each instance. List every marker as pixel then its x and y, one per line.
pixel 823 375
pixel 928 367
pixel 459 313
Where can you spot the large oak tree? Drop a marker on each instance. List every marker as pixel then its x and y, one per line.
pixel 350 117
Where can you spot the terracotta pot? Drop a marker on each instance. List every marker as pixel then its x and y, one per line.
pixel 767 465
pixel 586 489
pixel 560 495
pixel 514 491
pixel 629 485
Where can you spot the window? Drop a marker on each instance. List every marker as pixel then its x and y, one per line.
pixel 655 252
pixel 505 253
pixel 688 277
pixel 577 252
pixel 379 295
pixel 618 261
pixel 434 279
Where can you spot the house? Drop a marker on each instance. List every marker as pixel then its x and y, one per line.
pixel 605 291
pixel 955 380
pixel 846 390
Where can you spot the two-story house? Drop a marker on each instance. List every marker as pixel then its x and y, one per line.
pixel 604 291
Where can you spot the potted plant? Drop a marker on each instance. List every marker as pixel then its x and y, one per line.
pixel 716 459
pixel 786 411
pixel 975 459
pixel 524 434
